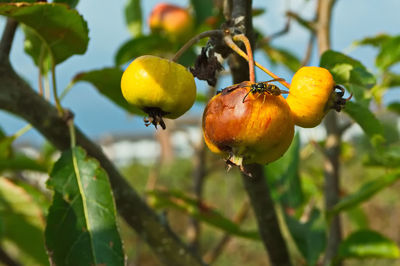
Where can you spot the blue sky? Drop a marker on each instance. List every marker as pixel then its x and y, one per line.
pixel 96 116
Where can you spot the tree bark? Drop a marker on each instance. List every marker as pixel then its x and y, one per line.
pixel 7 38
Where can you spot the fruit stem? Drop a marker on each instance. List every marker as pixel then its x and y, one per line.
pixel 195 39
pixel 55 95
pixel 67 89
pixel 249 51
pixel 234 47
pixel 72 135
pixel 41 67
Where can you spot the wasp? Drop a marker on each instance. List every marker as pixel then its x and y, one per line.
pixel 265 87
pixel 259 87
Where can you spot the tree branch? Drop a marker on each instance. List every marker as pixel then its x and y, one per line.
pixel 256 186
pixel 332 183
pixel 333 140
pixel 19 98
pixel 241 11
pixel 275 35
pixel 324 18
pixel 309 50
pixel 7 39
pixel 263 206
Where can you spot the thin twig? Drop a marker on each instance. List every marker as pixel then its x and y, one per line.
pixel 7 39
pixel 249 51
pixel 40 83
pixel 345 126
pixel 22 131
pixel 166 156
pixel 195 39
pixel 309 50
pixel 318 147
pixel 154 174
pixel 46 86
pixel 231 44
pixel 41 69
pixel 277 34
pixel 55 93
pixel 311 25
pixel 66 90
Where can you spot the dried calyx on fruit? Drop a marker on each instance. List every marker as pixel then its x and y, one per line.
pixel 258 129
pixel 313 93
pixel 159 87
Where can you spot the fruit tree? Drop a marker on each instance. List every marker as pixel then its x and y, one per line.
pixel 250 186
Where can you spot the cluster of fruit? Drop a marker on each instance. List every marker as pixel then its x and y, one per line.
pixel 245 123
pixel 253 123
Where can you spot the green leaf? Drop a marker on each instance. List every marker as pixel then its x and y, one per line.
pixel 9 160
pixel 303 22
pixel 348 72
pixel 255 12
pixel 6 150
pixel 310 237
pixel 375 41
pixel 107 82
pixel 22 223
pixel 198 210
pixel 367 121
pixel 394 107
pixel 71 3
pixel 22 162
pixel 62 29
pixel 283 177
pixel 357 217
pixel 389 53
pixel 391 79
pixel 81 225
pixel 39 198
pixel 282 56
pixel 330 59
pixel 154 44
pixel 365 192
pixel 2 133
pixel 201 98
pixel 387 156
pixel 368 244
pixel 133 17
pixel 36 48
pixel 202 10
